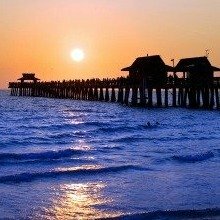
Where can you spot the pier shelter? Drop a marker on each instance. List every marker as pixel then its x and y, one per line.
pixel 28 85
pixel 28 77
pixel 197 71
pixel 147 73
pixel 150 69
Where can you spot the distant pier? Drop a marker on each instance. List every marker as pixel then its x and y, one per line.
pixel 147 85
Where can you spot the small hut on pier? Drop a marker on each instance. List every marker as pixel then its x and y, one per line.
pixel 150 69
pixel 29 77
pixel 197 71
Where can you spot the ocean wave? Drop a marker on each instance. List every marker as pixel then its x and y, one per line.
pixel 128 139
pixel 124 128
pixel 193 158
pixel 66 126
pixel 96 123
pixel 61 136
pixel 79 110
pixel 41 155
pixel 149 126
pixel 213 213
pixel 218 151
pixel 57 127
pixel 28 177
pixel 34 141
pixel 117 128
pixel 107 149
pixel 49 126
pixel 136 138
pixel 75 160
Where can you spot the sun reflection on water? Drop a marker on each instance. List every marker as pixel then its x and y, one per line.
pixel 73 118
pixel 80 201
pixel 87 167
pixel 82 146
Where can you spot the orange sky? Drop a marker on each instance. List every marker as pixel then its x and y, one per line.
pixel 38 36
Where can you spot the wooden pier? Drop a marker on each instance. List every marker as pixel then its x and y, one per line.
pixel 124 91
pixel 134 90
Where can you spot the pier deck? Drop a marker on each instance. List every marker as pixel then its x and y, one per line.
pixel 126 91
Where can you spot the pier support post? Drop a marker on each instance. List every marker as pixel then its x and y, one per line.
pixel 166 97
pixel 217 98
pixel 174 96
pixel 73 93
pixel 101 96
pixel 198 97
pixel 127 92
pixel 150 97
pixel 33 91
pixel 96 94
pixel 20 91
pixel 180 96
pixel 90 95
pixel 106 95
pixel 192 98
pixel 142 96
pixel 159 99
pixel 212 98
pixel 186 95
pixel 205 97
pixel 82 93
pixel 134 96
pixel 120 95
pixel 86 93
pixel 113 98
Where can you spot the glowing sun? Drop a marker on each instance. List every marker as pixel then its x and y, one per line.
pixel 77 54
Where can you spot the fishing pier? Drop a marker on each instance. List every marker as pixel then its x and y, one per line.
pixel 147 85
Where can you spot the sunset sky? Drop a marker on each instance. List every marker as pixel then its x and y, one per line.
pixel 39 35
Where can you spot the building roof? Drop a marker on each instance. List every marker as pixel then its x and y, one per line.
pixel 188 64
pixel 148 62
pixel 28 76
pixel 215 69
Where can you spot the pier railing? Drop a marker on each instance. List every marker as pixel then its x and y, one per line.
pixel 128 91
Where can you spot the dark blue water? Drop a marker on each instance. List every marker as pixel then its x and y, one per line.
pixel 66 159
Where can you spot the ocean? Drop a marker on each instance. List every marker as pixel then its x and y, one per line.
pixel 69 159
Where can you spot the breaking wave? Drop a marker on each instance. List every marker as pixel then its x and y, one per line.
pixel 177 214
pixel 193 158
pixel 28 177
pixel 41 155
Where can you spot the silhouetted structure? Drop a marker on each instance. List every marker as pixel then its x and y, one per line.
pixel 198 70
pixel 147 73
pixel 150 69
pixel 28 77
pixel 147 76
